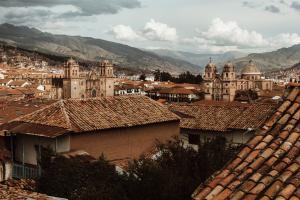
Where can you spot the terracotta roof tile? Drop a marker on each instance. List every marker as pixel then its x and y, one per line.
pixel 287 191
pixel 97 114
pixel 268 167
pixel 222 117
pixel 14 193
pixel 293 94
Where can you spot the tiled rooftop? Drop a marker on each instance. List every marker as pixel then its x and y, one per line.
pixel 93 114
pixel 16 193
pixel 222 116
pixel 10 110
pixel 268 166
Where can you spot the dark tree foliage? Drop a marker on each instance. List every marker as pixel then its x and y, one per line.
pixel 142 77
pixel 174 173
pixel 79 178
pixel 246 95
pixel 178 171
pixel 185 77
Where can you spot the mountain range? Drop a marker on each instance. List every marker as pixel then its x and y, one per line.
pixel 175 62
pixel 199 59
pixel 268 61
pixel 90 49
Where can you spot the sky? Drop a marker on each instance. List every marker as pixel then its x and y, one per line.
pixel 198 26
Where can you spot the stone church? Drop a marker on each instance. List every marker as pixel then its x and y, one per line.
pixel 223 87
pixel 76 84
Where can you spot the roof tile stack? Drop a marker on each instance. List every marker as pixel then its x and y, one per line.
pixel 268 166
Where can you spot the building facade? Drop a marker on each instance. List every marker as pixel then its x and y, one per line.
pixel 77 84
pixel 223 87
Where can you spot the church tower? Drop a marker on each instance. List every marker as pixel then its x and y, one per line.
pixel 73 84
pixel 229 82
pixel 210 75
pixel 106 72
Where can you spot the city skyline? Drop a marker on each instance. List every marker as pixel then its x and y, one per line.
pixel 195 26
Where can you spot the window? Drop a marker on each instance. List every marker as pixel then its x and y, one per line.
pixel 94 93
pixel 226 74
pixel 194 139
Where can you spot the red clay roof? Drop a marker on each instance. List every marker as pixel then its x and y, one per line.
pixel 95 114
pixel 268 166
pixel 10 192
pixel 215 116
pixel 10 110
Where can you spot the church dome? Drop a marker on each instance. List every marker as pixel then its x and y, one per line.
pixel 250 68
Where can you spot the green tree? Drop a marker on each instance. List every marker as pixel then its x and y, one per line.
pixel 80 178
pixel 177 171
pixel 142 77
pixel 173 173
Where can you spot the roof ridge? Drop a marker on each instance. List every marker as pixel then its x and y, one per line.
pixel 32 113
pixel 65 113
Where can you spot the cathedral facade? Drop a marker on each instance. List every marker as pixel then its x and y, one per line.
pixel 223 87
pixel 99 82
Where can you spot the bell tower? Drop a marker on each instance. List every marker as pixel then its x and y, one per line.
pixel 73 84
pixel 106 72
pixel 210 74
pixel 229 82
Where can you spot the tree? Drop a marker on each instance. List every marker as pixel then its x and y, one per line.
pixel 79 178
pixel 142 77
pixel 185 77
pixel 174 174
pixel 178 170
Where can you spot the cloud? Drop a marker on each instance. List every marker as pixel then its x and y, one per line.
pixel 158 31
pixel 85 7
pixel 285 40
pixel 152 31
pixel 224 36
pixel 272 9
pixel 295 5
pixel 125 33
pixel 230 34
pixel 250 4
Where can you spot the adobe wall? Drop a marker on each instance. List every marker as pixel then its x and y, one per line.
pixel 124 142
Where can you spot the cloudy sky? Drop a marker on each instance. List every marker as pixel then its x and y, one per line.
pixel 201 26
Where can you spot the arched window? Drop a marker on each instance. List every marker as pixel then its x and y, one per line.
pixel 94 93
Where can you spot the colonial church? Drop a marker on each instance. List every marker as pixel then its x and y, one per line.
pixel 76 84
pixel 223 87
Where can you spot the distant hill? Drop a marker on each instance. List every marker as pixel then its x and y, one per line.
pixel 280 59
pixel 199 59
pixel 90 49
pixel 269 61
